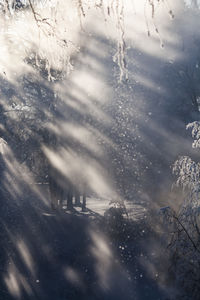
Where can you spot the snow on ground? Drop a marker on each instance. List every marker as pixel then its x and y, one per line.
pixel 98 206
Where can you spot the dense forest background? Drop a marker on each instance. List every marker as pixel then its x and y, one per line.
pixel 99 180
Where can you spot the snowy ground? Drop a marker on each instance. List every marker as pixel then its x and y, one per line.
pixel 100 205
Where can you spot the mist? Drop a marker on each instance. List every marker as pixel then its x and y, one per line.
pixel 95 100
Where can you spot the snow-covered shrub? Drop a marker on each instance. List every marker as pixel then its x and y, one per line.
pixel 116 218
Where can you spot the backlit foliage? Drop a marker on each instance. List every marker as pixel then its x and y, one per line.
pixel 52 20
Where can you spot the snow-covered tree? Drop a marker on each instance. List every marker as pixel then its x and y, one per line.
pixel 183 224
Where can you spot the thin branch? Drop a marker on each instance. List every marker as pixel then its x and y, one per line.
pixel 34 12
pixel 185 230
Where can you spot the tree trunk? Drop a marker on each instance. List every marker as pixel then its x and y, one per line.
pixel 69 199
pixel 84 202
pixel 77 199
pixel 55 189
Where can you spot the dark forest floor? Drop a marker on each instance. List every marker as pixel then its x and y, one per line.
pixel 62 255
